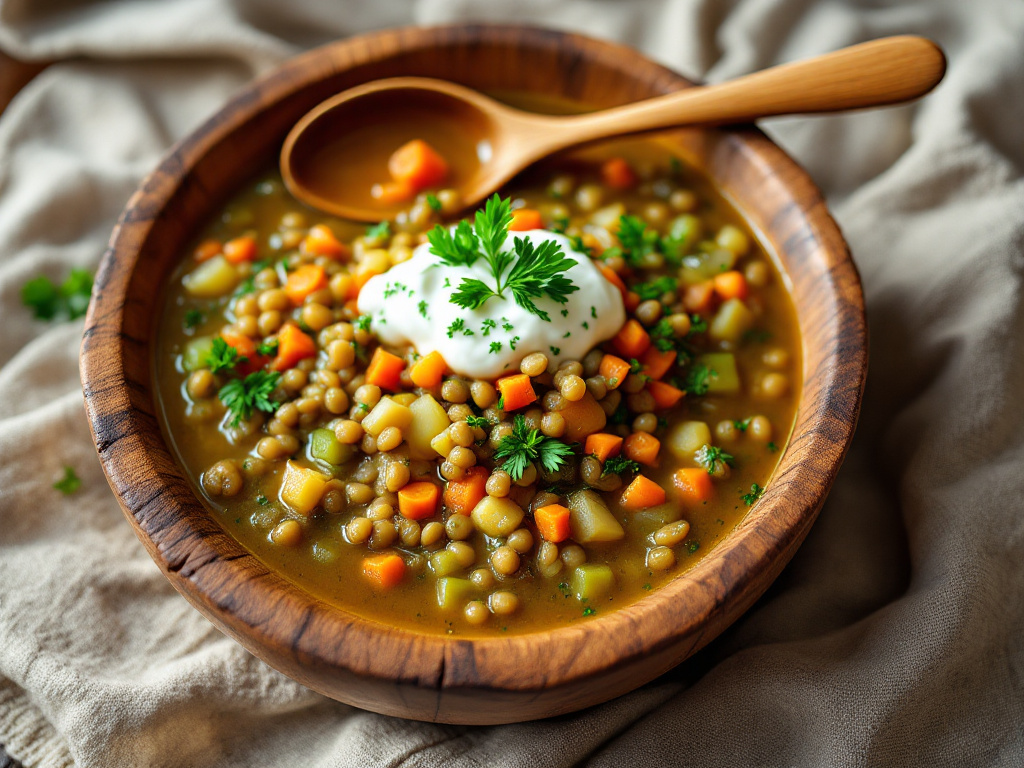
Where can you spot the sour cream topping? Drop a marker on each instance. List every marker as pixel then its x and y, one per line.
pixel 411 304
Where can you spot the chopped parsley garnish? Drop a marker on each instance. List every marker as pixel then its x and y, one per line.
pixel 222 356
pixel 362 323
pixel 422 307
pixel 512 343
pixel 262 500
pixel 616 465
pixel 478 421
pixel 634 365
pixel 434 203
pixel 70 483
pixel 647 587
pixel 697 379
pixel 697 325
pixel 564 313
pixel 193 318
pixel 692 546
pixel 656 288
pixel 488 326
pixel 495 348
pixel 772 447
pixel 564 589
pixel 525 444
pixel 458 324
pixel 756 491
pixel 555 350
pixel 267 348
pixel 588 611
pixel 241 396
pixel 379 231
pixel 636 239
pixel 527 272
pixel 47 300
pixel 741 424
pixel 712 457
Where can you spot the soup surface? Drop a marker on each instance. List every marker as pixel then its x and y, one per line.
pixel 401 485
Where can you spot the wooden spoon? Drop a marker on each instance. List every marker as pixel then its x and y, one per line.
pixel 337 151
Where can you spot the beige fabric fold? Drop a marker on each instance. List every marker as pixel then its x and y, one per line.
pixel 895 636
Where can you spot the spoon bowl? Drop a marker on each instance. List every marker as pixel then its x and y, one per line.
pixel 334 149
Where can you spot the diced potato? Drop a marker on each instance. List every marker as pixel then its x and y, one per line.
pixel 688 437
pixel 454 593
pixel 724 378
pixel 683 234
pixel 428 421
pixel 323 445
pixel 590 520
pixel 583 418
pixel 699 267
pixel 196 351
pixel 651 519
pixel 497 516
pixel 302 488
pixel 405 398
pixel 442 444
pixel 608 217
pixel 732 320
pixel 387 413
pixel 214 277
pixel 591 581
pixel 444 562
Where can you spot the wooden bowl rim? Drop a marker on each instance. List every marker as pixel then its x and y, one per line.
pixel 770 531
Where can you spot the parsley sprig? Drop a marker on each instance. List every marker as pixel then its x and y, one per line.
pixel 524 445
pixel 528 271
pixel 756 491
pixel 241 396
pixel 616 465
pixel 222 356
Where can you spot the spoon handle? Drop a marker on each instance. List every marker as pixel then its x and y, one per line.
pixel 885 71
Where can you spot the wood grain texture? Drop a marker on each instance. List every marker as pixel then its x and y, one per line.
pixel 393 671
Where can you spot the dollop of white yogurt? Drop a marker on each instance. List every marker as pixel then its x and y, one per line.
pixel 411 304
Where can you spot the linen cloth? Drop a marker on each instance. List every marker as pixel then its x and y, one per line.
pixel 894 638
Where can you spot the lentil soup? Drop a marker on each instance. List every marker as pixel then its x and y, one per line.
pixel 392 480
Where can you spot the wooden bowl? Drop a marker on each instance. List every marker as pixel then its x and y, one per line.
pixel 428 677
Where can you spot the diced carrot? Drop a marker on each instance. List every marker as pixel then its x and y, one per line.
pixel 698 297
pixel 614 370
pixel 642 447
pixel 460 496
pixel 304 280
pixel 240 249
pixel 524 219
pixel 731 285
pixel 292 346
pixel 321 241
pixel 385 370
pixel 631 300
pixel 418 500
pixel 642 493
pixel 427 371
pixel 207 250
pixel 631 340
pixel 693 484
pixel 602 445
pixel 516 391
pixel 552 522
pixel 417 164
pixel 613 277
pixel 617 173
pixel 392 192
pixel 665 395
pixel 384 570
pixel 657 362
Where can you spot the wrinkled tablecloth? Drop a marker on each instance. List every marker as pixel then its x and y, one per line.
pixel 895 637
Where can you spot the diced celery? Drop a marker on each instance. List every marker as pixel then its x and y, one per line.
pixel 387 413
pixel 428 421
pixel 211 279
pixel 444 562
pixel 591 581
pixel 699 267
pixel 453 593
pixel 683 234
pixel 302 488
pixel 688 437
pixel 196 352
pixel 323 445
pixel 724 378
pixel 590 520
pixel 497 516
pixel 732 320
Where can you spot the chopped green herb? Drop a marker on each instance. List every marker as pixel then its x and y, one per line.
pixel 267 348
pixel 512 343
pixel 692 546
pixel 379 231
pixel 422 307
pixel 560 224
pixel 564 589
pixel 478 421
pixel 586 325
pixel 565 313
pixel 755 493
pixel 495 348
pixel 656 288
pixel 456 325
pixel 262 500
pixel 506 325
pixel 634 365
pixel 222 356
pixel 447 283
pixel 487 326
pixel 711 457
pixel 47 300
pixel 772 447
pixel 70 483
pixel 434 203
pixel 593 312
pixel 741 424
pixel 636 239
pixel 241 396
pixel 588 611
pixel 617 465
pixel 525 444
pixel 501 403
pixel 555 350
pixel 362 323
pixel 697 379
pixel 193 318
pixel 647 587
pixel 697 325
